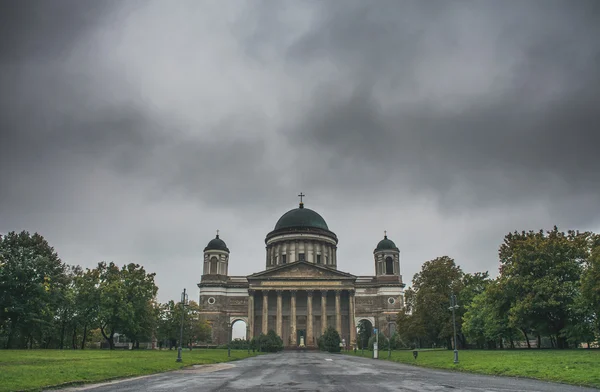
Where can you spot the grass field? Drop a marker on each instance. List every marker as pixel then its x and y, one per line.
pixel 578 367
pixel 35 369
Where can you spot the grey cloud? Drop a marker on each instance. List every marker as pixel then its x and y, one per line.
pixel 130 131
pixel 534 135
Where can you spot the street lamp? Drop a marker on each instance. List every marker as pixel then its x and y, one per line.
pixel 453 307
pixel 228 336
pixel 389 337
pixel 183 299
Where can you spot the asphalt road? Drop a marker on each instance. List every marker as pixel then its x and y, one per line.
pixel 314 371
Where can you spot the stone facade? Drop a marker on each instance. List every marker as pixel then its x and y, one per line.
pixel 301 291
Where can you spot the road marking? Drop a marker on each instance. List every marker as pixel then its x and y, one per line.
pixel 328 359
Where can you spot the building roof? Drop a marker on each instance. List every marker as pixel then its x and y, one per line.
pixel 216 244
pixel 301 217
pixel 386 244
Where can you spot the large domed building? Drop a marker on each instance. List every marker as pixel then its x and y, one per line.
pixel 301 291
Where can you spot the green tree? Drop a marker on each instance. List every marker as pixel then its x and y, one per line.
pixel 126 298
pixel 365 329
pixel 33 282
pixel 432 287
pixel 590 287
pixel 330 340
pixel 541 272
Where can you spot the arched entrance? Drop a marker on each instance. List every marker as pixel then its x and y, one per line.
pixel 239 329
pixel 364 329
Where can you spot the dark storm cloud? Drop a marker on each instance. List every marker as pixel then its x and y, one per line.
pixel 41 30
pixel 532 132
pixel 132 130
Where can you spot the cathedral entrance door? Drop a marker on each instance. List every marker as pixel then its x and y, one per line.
pixel 301 337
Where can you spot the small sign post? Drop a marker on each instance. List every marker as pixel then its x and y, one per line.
pixel 376 344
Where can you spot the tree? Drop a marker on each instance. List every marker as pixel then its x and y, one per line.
pixel 169 323
pixel 33 281
pixel 590 287
pixel 365 329
pixel 271 342
pixel 330 340
pixel 432 287
pixel 125 301
pixel 541 272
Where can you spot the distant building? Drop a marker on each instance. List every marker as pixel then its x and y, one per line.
pixel 301 291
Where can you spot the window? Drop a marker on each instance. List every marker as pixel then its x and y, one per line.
pixel 325 260
pixel 214 262
pixel 301 257
pixel 283 259
pixel 318 259
pixel 389 266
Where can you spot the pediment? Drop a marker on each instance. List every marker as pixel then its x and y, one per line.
pixel 301 270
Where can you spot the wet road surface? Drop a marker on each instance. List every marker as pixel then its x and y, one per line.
pixel 314 371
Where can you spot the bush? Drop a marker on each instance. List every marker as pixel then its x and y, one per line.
pixel 330 341
pixel 270 342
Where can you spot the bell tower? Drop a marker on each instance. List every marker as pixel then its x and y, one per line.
pixel 387 258
pixel 216 257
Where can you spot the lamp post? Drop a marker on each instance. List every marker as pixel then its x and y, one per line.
pixel 248 337
pixel 228 336
pixel 183 299
pixel 389 337
pixel 453 307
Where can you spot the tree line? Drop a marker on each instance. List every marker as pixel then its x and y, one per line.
pixel 45 303
pixel 547 293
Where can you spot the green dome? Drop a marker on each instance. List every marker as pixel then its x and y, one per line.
pixel 386 244
pixel 301 217
pixel 216 244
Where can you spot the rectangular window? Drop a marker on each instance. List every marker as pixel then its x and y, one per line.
pixel 301 257
pixel 318 259
pixel 325 260
pixel 283 259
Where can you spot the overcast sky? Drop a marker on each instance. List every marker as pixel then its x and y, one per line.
pixel 131 131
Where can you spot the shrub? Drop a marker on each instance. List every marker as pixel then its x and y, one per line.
pixel 270 342
pixel 330 341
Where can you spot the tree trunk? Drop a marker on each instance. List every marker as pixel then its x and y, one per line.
pixel 74 339
pixel 62 334
pixel 539 341
pixel 526 338
pixel 512 342
pixel 109 338
pixel 84 336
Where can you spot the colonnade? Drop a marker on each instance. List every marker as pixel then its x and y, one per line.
pixel 310 294
pixel 314 251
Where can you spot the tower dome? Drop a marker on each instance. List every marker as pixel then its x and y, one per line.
pixel 386 244
pixel 216 244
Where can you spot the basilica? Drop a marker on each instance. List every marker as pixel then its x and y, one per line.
pixel 301 291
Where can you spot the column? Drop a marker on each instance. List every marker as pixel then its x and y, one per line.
pixel 279 315
pixel 338 311
pixel 250 314
pixel 351 316
pixel 265 315
pixel 309 318
pixel 293 317
pixel 323 311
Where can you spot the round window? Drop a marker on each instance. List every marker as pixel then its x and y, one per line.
pixel 392 300
pixel 211 300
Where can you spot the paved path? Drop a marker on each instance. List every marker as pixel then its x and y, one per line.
pixel 313 371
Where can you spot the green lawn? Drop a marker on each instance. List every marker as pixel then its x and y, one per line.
pixel 578 367
pixel 36 369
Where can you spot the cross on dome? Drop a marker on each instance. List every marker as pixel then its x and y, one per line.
pixel 301 195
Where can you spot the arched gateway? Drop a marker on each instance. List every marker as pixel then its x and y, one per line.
pixel 301 291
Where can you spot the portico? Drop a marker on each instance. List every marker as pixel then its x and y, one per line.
pixel 301 300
